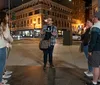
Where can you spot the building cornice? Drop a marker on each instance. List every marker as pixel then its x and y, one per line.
pixel 35 2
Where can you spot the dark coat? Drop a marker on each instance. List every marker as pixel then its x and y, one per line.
pixel 94 44
pixel 86 37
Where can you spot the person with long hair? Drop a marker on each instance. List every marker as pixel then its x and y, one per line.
pixel 5 38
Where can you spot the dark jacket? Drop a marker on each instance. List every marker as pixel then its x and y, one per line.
pixel 86 37
pixel 94 44
pixel 53 38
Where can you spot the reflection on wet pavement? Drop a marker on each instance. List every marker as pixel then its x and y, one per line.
pixel 35 75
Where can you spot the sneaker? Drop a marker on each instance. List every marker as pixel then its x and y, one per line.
pixel 89 74
pixel 8 72
pixel 51 66
pixel 98 81
pixel 6 76
pixel 92 83
pixel 44 67
pixel 4 81
pixel 86 72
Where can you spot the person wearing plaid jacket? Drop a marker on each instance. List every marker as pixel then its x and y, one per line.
pixel 49 31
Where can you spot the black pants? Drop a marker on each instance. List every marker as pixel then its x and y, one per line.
pixel 48 52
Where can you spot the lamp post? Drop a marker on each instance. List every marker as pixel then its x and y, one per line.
pixel 34 23
pixel 9 7
pixel 99 5
pixel 9 4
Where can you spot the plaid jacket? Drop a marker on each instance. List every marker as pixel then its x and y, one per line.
pixel 53 38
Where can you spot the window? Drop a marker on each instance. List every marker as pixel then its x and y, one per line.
pixel 23 15
pixel 21 23
pixel 44 11
pixel 37 11
pixel 30 13
pixel 17 24
pixel 24 23
pixel 26 14
pixel 31 21
pixel 27 22
pixel 34 19
pixel 62 23
pixel 52 13
pixel 38 20
pixel 65 23
pixel 48 12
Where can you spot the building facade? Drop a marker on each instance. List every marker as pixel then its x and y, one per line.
pixel 28 19
pixel 95 6
pixel 78 12
pixel 78 15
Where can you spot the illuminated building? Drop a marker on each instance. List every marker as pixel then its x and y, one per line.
pixel 28 18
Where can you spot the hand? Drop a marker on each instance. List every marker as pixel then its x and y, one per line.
pixel 54 33
pixel 9 45
pixel 42 32
pixel 90 54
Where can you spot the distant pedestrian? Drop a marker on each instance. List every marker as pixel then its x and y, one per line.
pixel 85 40
pixel 4 39
pixel 94 49
pixel 49 32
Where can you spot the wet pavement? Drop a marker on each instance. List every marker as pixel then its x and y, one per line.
pixel 35 75
pixel 26 62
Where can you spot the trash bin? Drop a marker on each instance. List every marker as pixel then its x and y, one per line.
pixel 67 37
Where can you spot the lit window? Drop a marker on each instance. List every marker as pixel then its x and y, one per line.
pixel 38 20
pixel 31 21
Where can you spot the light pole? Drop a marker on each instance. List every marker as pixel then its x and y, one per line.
pixel 9 8
pixel 9 4
pixel 98 5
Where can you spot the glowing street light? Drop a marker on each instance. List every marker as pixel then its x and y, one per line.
pixel 70 0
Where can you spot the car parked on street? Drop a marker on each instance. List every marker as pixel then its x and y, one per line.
pixel 76 37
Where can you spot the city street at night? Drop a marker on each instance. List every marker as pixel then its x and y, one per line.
pixel 69 31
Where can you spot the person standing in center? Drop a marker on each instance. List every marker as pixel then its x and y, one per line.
pixel 49 31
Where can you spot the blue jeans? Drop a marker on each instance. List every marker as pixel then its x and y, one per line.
pixel 48 53
pixel 2 61
pixel 85 49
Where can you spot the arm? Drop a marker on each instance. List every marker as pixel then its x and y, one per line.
pixel 93 39
pixel 42 33
pixel 82 37
pixel 7 35
pixel 54 33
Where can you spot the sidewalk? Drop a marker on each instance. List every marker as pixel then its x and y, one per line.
pixel 34 75
pixel 26 63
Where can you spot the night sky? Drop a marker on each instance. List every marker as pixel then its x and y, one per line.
pixel 88 2
pixel 14 3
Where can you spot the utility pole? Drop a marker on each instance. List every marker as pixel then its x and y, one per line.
pixel 9 8
pixel 98 5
